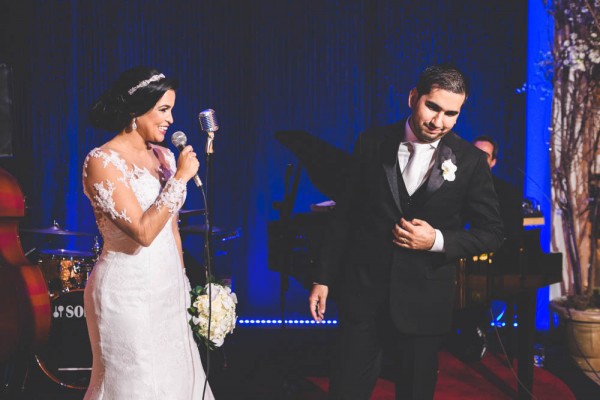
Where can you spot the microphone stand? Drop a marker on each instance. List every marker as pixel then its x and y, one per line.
pixel 208 251
pixel 209 204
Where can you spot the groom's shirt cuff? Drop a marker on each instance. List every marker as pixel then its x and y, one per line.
pixel 438 244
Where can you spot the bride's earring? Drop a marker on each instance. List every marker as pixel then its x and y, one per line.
pixel 133 125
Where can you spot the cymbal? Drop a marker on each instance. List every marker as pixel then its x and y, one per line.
pixel 189 213
pixel 224 234
pixel 67 253
pixel 56 230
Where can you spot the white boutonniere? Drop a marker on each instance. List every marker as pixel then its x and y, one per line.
pixel 449 170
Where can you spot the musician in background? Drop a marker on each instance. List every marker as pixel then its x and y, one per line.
pixel 390 252
pixel 468 340
pixel 509 196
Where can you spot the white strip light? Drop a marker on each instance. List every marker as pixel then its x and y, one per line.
pixel 248 321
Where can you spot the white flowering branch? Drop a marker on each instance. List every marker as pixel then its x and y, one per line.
pixel 575 137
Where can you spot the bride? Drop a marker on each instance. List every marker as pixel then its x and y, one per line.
pixel 138 293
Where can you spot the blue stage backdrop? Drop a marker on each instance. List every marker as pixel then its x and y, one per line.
pixel 331 68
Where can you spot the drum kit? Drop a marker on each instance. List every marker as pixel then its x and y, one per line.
pixel 67 356
pixel 66 359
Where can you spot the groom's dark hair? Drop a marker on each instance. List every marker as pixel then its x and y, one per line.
pixel 443 76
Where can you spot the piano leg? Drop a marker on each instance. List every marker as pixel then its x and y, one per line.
pixel 526 303
pixel 284 283
pixel 513 333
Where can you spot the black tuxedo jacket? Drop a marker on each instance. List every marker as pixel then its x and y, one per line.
pixel 360 262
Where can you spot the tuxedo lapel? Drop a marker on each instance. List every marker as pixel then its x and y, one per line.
pixel 389 154
pixel 436 179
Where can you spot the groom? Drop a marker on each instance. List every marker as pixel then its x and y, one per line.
pixel 391 248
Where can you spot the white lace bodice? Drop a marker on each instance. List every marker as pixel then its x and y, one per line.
pixel 121 189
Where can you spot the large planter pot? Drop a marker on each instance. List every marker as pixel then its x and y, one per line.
pixel 582 335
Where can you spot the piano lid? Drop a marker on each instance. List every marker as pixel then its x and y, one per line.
pixel 325 164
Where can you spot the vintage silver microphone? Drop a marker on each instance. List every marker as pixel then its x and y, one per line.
pixel 208 123
pixel 179 140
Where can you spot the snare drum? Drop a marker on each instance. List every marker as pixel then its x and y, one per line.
pixel 67 357
pixel 65 270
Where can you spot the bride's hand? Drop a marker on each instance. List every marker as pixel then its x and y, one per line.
pixel 187 164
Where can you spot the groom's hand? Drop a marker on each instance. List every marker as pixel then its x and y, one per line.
pixel 317 301
pixel 415 234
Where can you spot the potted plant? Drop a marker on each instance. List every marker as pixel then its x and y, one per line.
pixel 575 166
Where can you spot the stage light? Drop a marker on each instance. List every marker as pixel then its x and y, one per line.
pixel 258 322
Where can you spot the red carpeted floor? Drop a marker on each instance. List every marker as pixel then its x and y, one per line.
pixel 491 378
pixel 272 364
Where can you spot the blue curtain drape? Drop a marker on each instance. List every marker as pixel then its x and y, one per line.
pixel 328 67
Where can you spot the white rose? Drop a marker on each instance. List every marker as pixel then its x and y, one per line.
pixel 449 170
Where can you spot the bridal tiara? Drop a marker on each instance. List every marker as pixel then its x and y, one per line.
pixel 145 83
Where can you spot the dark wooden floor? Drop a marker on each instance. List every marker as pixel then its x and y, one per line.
pixel 271 363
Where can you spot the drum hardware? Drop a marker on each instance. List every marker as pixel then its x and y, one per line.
pixel 66 270
pixel 67 357
pixel 97 248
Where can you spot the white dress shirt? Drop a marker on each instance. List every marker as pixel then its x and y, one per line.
pixel 403 157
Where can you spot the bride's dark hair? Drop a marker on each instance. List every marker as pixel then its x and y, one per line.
pixel 133 93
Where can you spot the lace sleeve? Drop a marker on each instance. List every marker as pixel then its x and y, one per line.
pixel 104 178
pixel 172 196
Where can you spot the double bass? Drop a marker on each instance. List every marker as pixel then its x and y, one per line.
pixel 24 301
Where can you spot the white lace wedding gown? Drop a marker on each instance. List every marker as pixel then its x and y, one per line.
pixel 136 298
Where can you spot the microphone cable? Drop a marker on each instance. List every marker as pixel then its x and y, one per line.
pixel 208 273
pixel 509 363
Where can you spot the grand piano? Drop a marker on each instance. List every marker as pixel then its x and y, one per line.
pixel 513 274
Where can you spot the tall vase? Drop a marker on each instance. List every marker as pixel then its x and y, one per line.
pixel 582 336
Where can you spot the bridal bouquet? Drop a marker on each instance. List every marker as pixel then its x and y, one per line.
pixel 222 311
